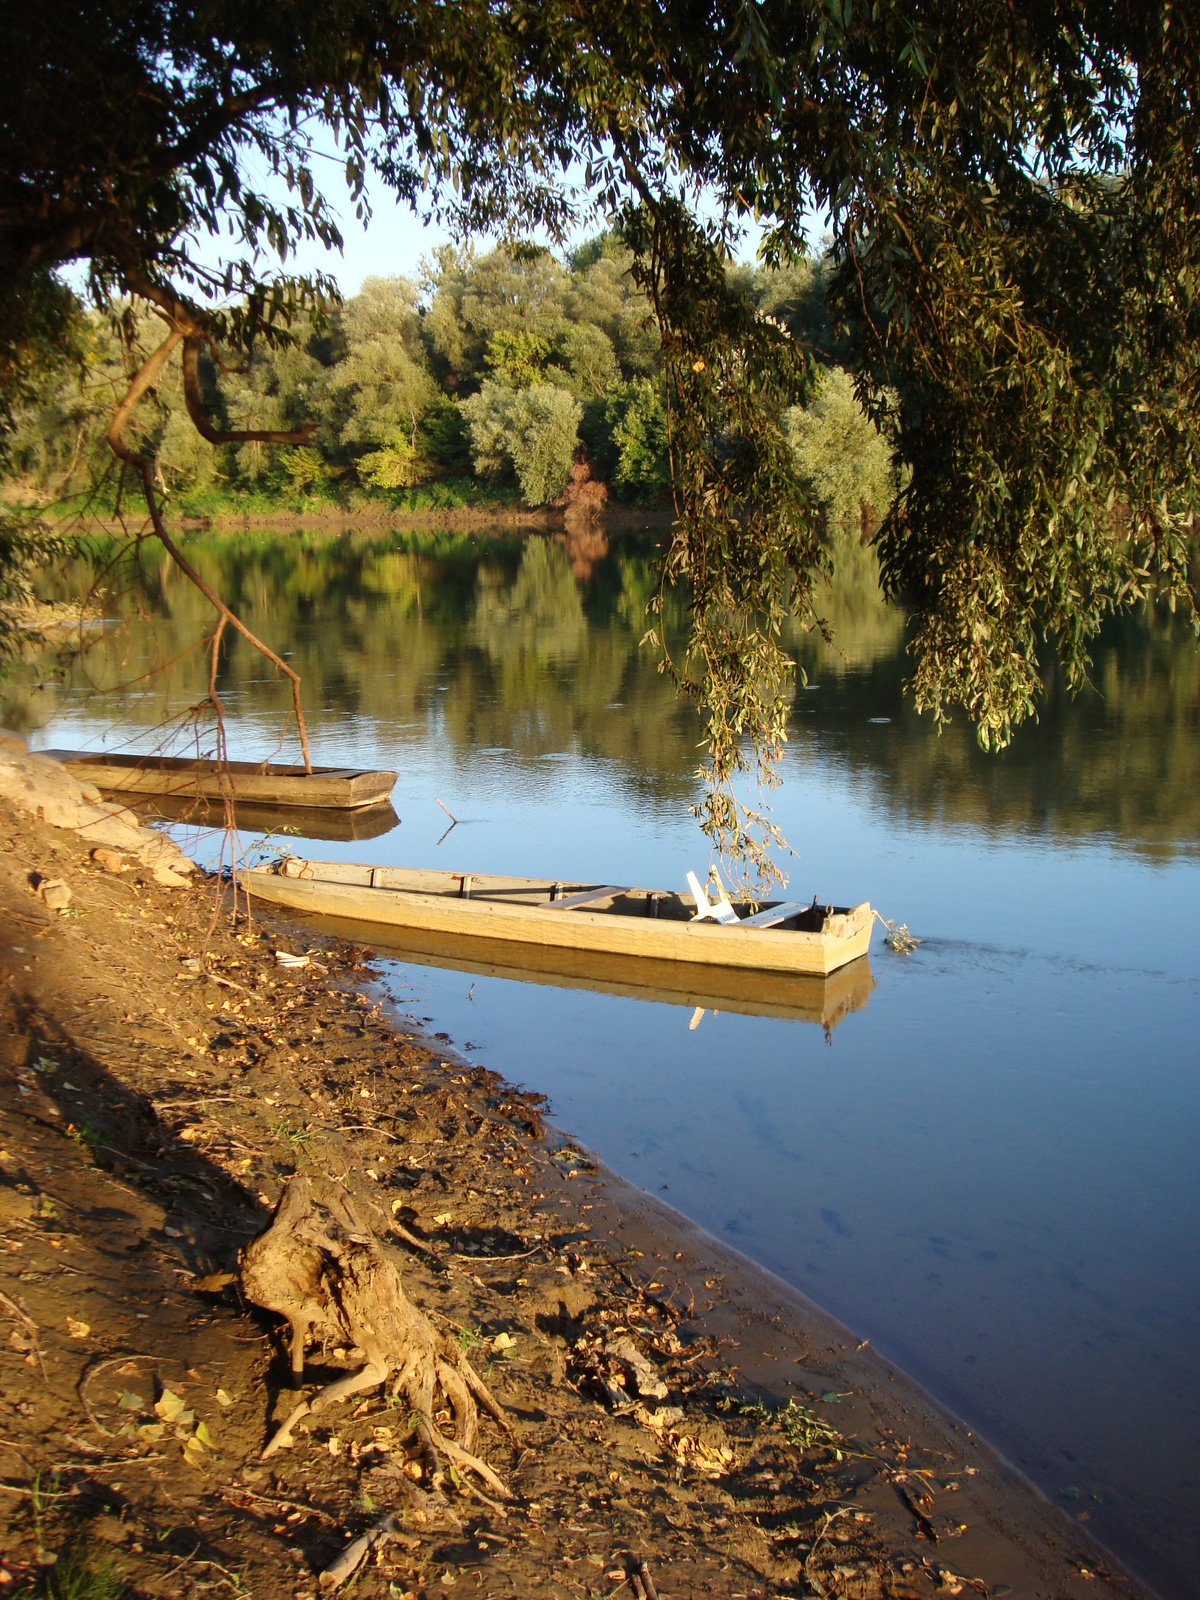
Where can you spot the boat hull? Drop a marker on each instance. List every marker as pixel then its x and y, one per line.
pixel 789 997
pixel 843 938
pixel 335 788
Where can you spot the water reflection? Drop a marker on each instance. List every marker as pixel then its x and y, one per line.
pixel 990 1168
pixel 269 823
pixel 531 647
pixel 788 997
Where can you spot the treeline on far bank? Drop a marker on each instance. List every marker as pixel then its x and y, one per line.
pixel 504 378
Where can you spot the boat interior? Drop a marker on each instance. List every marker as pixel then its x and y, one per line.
pixel 556 895
pixel 201 767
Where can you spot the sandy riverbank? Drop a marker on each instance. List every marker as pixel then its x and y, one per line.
pixel 161 1075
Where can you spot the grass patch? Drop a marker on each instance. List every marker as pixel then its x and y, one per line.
pixel 73 1578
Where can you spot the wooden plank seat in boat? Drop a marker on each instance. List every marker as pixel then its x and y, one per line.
pixel 773 915
pixel 589 897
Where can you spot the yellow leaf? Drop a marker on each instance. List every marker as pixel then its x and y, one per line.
pixel 224 1397
pixel 77 1330
pixel 444 1218
pixel 168 1406
pixel 203 1435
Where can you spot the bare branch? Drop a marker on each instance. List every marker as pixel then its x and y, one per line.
pixel 192 346
pixel 144 467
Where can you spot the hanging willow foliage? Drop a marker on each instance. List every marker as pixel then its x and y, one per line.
pixel 746 537
pixel 1013 202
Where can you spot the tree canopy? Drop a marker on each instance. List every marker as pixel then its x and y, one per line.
pixel 1013 195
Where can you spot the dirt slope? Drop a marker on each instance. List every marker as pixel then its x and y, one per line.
pixel 161 1075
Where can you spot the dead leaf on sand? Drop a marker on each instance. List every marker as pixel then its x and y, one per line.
pixel 169 1406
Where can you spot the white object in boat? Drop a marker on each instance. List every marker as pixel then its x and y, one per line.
pixel 722 912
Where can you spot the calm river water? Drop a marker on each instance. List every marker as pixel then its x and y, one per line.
pixel 991 1168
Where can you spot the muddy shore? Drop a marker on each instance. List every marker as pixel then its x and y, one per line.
pixel 162 1074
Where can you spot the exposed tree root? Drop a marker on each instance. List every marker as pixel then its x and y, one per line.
pixel 320 1266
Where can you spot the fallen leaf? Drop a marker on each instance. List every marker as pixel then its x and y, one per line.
pixel 77 1330
pixel 151 1432
pixel 193 1452
pixel 168 1406
pixel 444 1218
pixel 504 1341
pixel 203 1435
pixel 212 1282
pixel 224 1398
pixel 131 1402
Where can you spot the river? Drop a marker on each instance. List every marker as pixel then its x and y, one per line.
pixel 990 1168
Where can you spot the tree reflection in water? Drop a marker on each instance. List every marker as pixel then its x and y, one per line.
pixel 531 644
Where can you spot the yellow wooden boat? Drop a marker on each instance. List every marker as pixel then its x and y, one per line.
pixel 774 936
pixel 267 782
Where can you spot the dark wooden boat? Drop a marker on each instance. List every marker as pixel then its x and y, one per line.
pixel 266 782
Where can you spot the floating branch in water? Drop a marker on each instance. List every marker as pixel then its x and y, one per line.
pixel 897 937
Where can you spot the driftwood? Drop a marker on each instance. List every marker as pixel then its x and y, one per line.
pixel 319 1265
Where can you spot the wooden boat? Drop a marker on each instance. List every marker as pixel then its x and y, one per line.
pixel 790 997
pixel 602 918
pixel 307 822
pixel 338 788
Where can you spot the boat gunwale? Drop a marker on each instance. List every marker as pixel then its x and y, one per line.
pixel 481 895
pixel 202 767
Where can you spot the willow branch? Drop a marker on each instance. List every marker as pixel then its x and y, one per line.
pixel 144 467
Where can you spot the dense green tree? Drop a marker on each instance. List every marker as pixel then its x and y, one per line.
pixel 1014 274
pixel 382 385
pixel 640 452
pixel 841 453
pixel 532 433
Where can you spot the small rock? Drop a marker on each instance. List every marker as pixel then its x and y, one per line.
pixel 14 1206
pixel 650 1384
pixel 109 860
pixel 53 892
pixel 168 879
